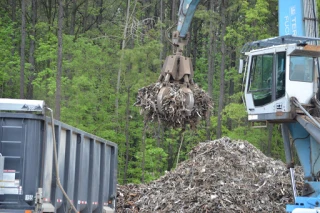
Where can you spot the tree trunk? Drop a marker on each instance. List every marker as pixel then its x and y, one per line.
pixel 23 44
pixel 223 57
pixel 48 8
pixel 13 17
pixel 66 14
pixel 231 92
pixel 233 58
pixel 181 142
pixel 99 18
pixel 194 42
pixel 59 63
pixel 174 11
pixel 270 130
pixel 122 56
pixel 85 17
pixel 143 150
pixel 73 17
pixel 170 153
pixel 211 68
pixel 31 50
pixel 161 31
pixel 127 138
pixel 10 83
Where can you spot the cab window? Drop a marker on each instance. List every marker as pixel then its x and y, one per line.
pixel 301 68
pixel 261 79
pixel 267 80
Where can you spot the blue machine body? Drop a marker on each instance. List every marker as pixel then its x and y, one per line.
pixel 292 22
pixel 291 18
pixel 308 151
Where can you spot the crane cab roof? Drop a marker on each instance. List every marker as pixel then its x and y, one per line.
pixel 296 45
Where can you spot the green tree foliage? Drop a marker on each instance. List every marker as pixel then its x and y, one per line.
pixel 92 50
pixel 10 60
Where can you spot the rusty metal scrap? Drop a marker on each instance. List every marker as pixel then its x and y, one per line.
pixel 173 105
pixel 220 176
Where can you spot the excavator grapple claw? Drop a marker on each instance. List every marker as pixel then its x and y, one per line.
pixel 176 77
pixel 175 100
pixel 189 99
pixel 168 94
pixel 164 91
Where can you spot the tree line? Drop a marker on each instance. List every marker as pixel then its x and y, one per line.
pixel 88 58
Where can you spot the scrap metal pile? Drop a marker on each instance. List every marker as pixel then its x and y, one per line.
pixel 220 176
pixel 174 113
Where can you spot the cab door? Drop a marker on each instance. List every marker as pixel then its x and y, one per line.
pixel 265 86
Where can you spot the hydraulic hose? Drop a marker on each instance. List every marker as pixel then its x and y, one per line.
pixel 297 104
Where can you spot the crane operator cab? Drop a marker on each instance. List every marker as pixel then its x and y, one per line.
pixel 278 71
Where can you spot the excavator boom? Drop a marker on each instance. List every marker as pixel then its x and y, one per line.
pixel 177 69
pixel 186 12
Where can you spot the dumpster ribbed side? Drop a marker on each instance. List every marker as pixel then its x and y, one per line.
pixel 87 164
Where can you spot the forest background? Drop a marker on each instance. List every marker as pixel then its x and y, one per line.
pixel 88 58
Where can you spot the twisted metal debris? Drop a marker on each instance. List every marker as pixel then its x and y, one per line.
pixel 220 176
pixel 174 112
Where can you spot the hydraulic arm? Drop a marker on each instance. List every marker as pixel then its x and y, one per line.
pixel 177 69
pixel 186 12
